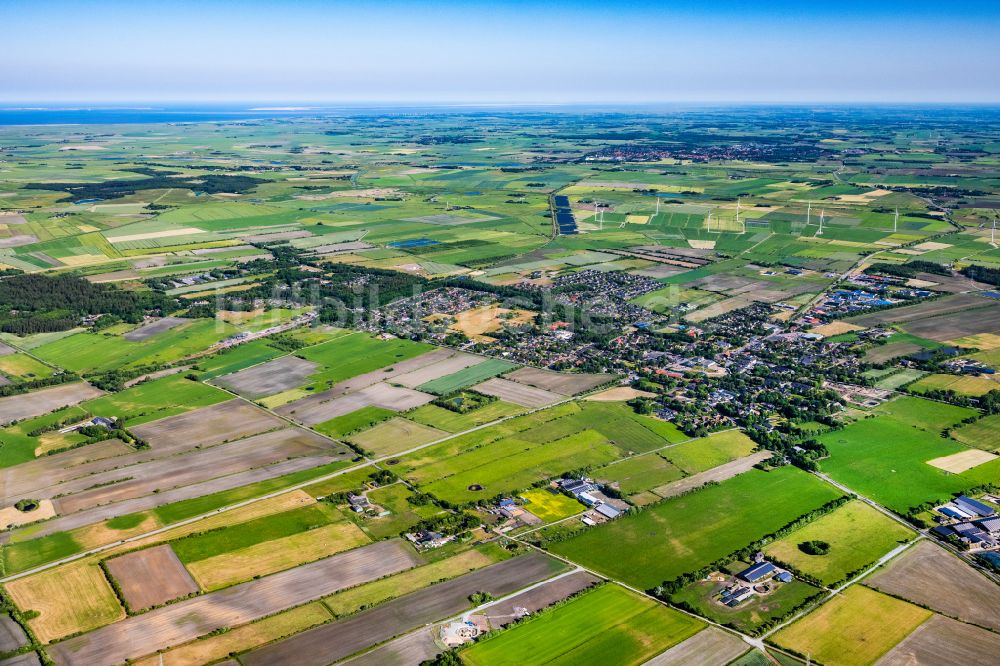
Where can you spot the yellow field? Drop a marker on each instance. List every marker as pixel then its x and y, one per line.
pixel 71 598
pixel 836 328
pixel 959 462
pixel 550 507
pixel 851 629
pixel 974 386
pixel 182 231
pixel 248 636
pixel 474 323
pixel 277 555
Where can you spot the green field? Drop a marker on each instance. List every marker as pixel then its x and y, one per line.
pixel 156 399
pixel 359 419
pixel 356 354
pixel 983 434
pixel 449 421
pixel 467 377
pixel 858 536
pixel 885 457
pixel 686 533
pixel 607 625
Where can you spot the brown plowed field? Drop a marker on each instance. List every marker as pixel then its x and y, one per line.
pixel 930 576
pixel 150 329
pixel 311 411
pixel 708 646
pixel 269 378
pixel 519 394
pixel 330 642
pixel 504 612
pixel 151 577
pixel 36 403
pixel 222 422
pixel 409 650
pixel 558 382
pixel 186 620
pixel 942 640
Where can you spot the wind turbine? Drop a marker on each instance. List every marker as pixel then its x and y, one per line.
pixel 993 233
pixel 657 205
pixel 895 221
pixel 809 211
pixel 822 215
pixel 708 222
pixel 738 214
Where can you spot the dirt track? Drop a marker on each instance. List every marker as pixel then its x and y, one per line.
pixel 327 643
pixel 186 620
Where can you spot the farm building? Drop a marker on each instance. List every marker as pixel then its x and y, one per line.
pixel 975 507
pixel 758 572
pixel 607 511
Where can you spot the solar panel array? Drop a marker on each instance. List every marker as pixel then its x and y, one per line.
pixel 564 216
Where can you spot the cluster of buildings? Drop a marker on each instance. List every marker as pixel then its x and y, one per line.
pixel 601 507
pixel 970 522
pixel 758 579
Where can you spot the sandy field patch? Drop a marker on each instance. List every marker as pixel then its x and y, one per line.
pixel 637 219
pixel 487 318
pixel 942 640
pixel 36 403
pixel 395 435
pixel 701 244
pixel 927 574
pixel 928 246
pixel 864 197
pixel 519 394
pixel 151 577
pixel 836 328
pixel 18 240
pixel 917 283
pixel 619 394
pixel 10 516
pixel 277 555
pixel 983 341
pixel 717 474
pixel 959 462
pixel 166 233
pixel 151 328
pixel 12 218
pixel 71 598
pixel 186 620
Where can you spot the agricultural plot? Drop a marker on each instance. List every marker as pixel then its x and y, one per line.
pixel 21 367
pixel 857 536
pixel 467 377
pixel 43 401
pixel 983 434
pixel 334 641
pixel 519 394
pixel 932 577
pixel 357 354
pixel 446 366
pixel 608 623
pixel 850 629
pixel 942 640
pixel 563 383
pixel 152 328
pixel 963 385
pixel 452 422
pixel 886 457
pixel 268 378
pixel 186 620
pixel 151 577
pixel 311 411
pixel 395 436
pixel 222 422
pixel 549 505
pixel 709 646
pixel 683 534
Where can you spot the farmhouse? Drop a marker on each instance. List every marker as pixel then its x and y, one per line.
pixel 758 572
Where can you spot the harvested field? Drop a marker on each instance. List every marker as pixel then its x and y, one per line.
pixel 189 619
pixel 221 422
pixel 207 650
pixel 25 479
pixel 558 382
pixel 151 328
pixel 151 577
pixel 619 394
pixel 36 403
pixel 71 598
pixel 6 350
pixel 477 322
pixel 195 467
pixel 269 378
pixel 26 659
pixel 519 394
pixel 708 646
pixel 717 474
pixel 331 642
pixel 12 636
pixel 504 612
pixel 277 555
pixel 887 352
pixel 942 640
pixel 437 370
pixel 394 436
pixel 850 629
pixel 310 412
pixel 408 650
pixel 959 462
pixel 927 574
pixel 10 516
pixel 97 514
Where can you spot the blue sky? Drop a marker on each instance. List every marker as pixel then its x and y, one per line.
pixel 499 52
